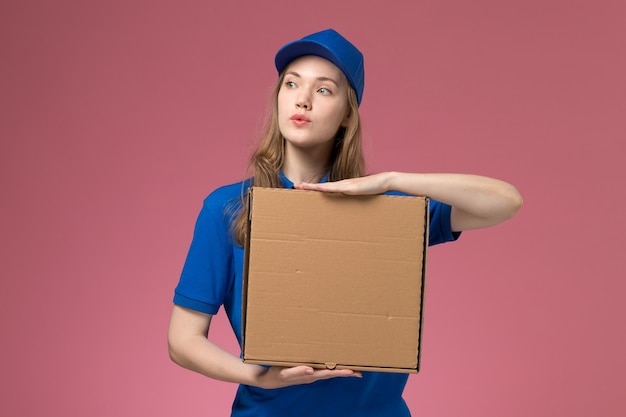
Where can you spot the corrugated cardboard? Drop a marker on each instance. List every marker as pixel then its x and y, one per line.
pixel 334 281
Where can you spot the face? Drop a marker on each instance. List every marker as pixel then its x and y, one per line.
pixel 312 103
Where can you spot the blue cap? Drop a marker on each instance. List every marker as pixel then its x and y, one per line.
pixel 329 45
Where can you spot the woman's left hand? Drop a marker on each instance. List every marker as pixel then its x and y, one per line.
pixel 371 184
pixel 476 201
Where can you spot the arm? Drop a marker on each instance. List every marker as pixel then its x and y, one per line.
pixel 476 201
pixel 189 347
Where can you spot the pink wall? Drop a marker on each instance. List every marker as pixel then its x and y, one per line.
pixel 118 117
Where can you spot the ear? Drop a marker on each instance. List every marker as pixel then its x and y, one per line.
pixel 346 120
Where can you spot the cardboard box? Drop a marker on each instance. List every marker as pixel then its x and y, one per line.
pixel 334 281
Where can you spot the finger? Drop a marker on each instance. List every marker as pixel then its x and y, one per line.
pixel 296 371
pixel 325 187
pixel 336 373
pixel 307 371
pixel 309 186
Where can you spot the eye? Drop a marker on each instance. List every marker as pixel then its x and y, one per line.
pixel 290 84
pixel 324 91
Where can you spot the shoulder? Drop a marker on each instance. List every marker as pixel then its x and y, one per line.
pixel 223 204
pixel 219 210
pixel 227 195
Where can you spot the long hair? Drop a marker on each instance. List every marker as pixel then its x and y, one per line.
pixel 346 159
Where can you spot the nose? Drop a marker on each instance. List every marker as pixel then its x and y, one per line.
pixel 303 101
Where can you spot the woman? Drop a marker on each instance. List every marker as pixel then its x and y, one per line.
pixel 312 142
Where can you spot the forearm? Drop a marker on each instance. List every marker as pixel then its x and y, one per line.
pixel 203 356
pixel 189 347
pixel 477 201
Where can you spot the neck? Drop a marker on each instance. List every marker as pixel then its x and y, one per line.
pixel 305 166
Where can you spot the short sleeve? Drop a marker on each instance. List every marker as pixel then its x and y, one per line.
pixel 440 228
pixel 207 274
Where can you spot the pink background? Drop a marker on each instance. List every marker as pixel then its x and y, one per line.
pixel 118 117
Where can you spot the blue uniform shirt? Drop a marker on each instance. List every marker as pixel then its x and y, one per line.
pixel 212 276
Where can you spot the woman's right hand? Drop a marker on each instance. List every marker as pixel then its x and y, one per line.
pixel 279 377
pixel 190 348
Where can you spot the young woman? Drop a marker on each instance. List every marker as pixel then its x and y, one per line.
pixel 312 142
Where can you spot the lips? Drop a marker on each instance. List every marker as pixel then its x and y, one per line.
pixel 300 119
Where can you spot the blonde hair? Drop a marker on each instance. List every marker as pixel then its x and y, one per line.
pixel 346 159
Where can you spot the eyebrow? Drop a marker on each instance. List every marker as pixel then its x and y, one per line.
pixel 318 78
